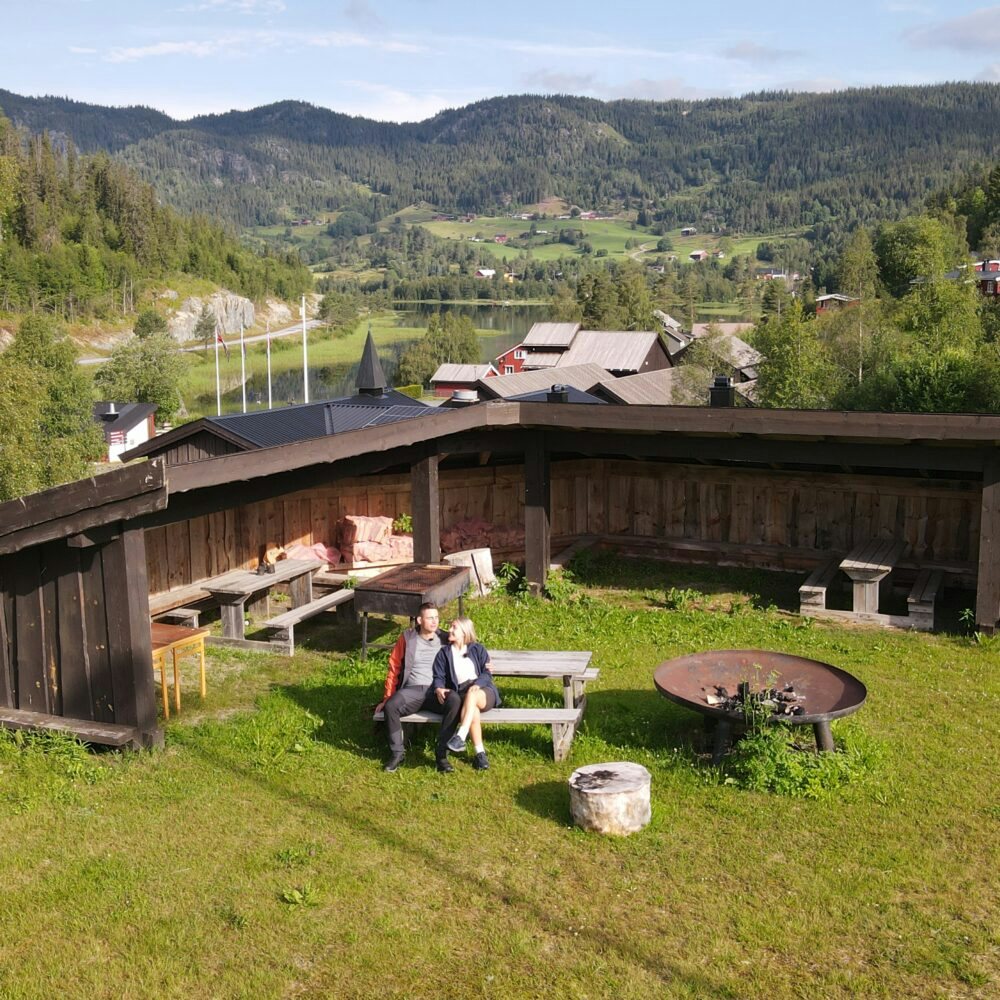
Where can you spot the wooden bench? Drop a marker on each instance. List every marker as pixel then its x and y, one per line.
pixel 282 627
pixel 571 666
pixel 179 599
pixel 922 597
pixel 106 733
pixel 564 722
pixel 812 593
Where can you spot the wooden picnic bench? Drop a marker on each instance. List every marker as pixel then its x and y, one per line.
pixel 868 566
pixel 572 667
pixel 281 628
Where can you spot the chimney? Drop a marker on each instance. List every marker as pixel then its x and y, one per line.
pixel 721 392
pixel 558 394
pixel 462 397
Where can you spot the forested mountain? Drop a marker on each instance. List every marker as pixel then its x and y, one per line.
pixel 758 163
pixel 81 235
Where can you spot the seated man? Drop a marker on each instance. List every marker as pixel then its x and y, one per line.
pixel 408 682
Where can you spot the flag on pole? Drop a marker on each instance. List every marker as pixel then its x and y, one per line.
pixel 225 346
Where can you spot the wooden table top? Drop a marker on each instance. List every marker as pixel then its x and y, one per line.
pixel 164 636
pixel 244 582
pixel 875 555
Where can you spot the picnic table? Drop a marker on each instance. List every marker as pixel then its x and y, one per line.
pixel 234 589
pixel 572 667
pixel 868 564
pixel 402 589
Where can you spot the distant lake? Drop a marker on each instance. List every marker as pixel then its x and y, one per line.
pixel 510 323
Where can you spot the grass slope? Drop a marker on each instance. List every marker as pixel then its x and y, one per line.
pixel 264 853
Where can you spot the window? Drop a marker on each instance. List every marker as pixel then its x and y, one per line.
pixel 508 369
pixel 519 355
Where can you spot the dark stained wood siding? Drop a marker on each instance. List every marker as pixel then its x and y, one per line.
pixel 749 510
pixel 197 448
pixel 74 632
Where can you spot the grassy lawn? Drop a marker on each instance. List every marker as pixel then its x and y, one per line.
pixel 264 853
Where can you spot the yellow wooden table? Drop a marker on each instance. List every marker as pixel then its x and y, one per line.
pixel 176 639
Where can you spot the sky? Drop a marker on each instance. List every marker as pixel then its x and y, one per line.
pixel 404 61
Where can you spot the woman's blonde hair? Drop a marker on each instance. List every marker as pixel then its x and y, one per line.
pixel 466 628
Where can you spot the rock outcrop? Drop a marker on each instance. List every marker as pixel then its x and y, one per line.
pixel 231 311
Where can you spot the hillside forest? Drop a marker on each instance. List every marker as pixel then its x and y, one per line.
pixel 85 237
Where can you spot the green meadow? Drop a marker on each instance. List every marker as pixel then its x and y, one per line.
pixel 263 852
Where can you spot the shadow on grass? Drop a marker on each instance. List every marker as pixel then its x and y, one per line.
pixel 548 800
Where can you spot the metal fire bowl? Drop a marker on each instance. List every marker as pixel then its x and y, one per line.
pixel 828 692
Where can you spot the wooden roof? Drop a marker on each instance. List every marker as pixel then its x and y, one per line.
pixel 961 445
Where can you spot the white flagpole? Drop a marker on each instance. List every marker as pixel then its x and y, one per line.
pixel 243 368
pixel 269 365
pixel 305 355
pixel 218 387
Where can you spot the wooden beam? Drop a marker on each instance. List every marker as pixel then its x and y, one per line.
pixel 94 536
pixel 768 451
pixel 426 509
pixel 988 584
pixel 80 506
pixel 129 637
pixel 537 489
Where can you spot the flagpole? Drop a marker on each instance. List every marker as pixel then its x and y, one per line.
pixel 305 355
pixel 269 364
pixel 218 386
pixel 243 368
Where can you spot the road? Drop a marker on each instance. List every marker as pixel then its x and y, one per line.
pixel 288 331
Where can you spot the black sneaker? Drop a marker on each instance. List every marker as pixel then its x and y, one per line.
pixel 479 762
pixel 393 763
pixel 444 765
pixel 456 744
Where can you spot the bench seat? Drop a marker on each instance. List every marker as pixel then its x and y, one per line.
pixel 106 733
pixel 282 627
pixel 812 593
pixel 564 722
pixel 922 598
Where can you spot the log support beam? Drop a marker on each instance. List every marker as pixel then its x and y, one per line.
pixel 426 510
pixel 988 584
pixel 537 489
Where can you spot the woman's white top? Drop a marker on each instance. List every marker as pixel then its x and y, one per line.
pixel 465 669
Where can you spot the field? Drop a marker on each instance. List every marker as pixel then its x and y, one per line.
pixel 263 852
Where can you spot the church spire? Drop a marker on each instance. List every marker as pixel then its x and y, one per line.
pixel 371 378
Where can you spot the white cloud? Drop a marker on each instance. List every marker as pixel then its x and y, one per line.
pixel 347 39
pixel 752 52
pixel 81 50
pixel 973 32
pixel 571 51
pixel 235 6
pixel 813 85
pixel 389 104
pixel 198 50
pixel 671 88
pixel 361 13
pixel 990 74
pixel 560 83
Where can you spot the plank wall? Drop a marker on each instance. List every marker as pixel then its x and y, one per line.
pixel 748 512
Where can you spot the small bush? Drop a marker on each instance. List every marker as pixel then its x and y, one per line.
pixel 768 760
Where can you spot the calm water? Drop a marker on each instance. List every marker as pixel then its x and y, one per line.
pixel 510 324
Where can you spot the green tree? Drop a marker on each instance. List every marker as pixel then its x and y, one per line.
pixel 68 439
pixel 450 339
pixel 920 247
pixel 205 327
pixel 149 321
pixel 635 304
pixel 144 370
pixel 798 371
pixel 22 391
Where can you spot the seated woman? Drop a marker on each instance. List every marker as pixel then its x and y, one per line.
pixel 464 686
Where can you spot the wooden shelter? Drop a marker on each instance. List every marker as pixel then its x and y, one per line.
pixel 773 488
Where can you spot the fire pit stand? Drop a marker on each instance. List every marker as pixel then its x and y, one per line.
pixel 823 692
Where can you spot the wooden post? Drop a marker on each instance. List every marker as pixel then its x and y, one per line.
pixel 537 541
pixel 130 647
pixel 988 578
pixel 424 499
